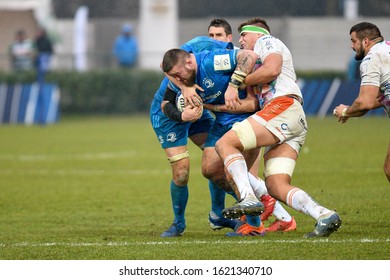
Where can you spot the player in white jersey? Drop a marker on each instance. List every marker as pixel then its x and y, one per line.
pixel 369 45
pixel 220 30
pixel 280 127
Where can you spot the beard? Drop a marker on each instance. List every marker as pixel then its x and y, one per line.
pixel 359 54
pixel 191 79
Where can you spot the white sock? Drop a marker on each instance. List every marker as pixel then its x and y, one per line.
pixel 236 166
pixel 257 185
pixel 260 189
pixel 280 213
pixel 301 201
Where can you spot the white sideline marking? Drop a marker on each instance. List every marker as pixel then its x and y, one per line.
pixel 125 244
pixel 329 98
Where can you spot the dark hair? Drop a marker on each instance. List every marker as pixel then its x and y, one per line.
pixel 257 21
pixel 366 30
pixel 172 58
pixel 220 22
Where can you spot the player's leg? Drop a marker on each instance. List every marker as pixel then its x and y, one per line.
pixel 179 159
pixel 278 183
pixel 173 139
pixel 279 162
pixel 230 148
pixel 217 193
pixel 212 169
pixel 386 166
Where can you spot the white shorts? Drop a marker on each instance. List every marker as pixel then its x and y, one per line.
pixel 285 118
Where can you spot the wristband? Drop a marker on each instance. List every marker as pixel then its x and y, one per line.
pixel 234 83
pixel 217 108
pixel 237 79
pixel 344 112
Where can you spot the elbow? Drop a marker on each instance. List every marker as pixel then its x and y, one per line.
pixel 366 106
pixel 163 103
pixel 275 73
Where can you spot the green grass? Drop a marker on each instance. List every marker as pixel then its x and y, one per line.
pixel 98 188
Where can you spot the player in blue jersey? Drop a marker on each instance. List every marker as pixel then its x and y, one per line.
pixel 173 136
pixel 212 71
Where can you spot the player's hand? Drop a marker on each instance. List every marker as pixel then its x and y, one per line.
pixel 338 113
pixel 191 97
pixel 191 113
pixel 231 98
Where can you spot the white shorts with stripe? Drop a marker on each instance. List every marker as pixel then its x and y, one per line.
pixel 284 117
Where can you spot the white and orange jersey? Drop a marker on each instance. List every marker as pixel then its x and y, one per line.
pixel 375 70
pixel 285 83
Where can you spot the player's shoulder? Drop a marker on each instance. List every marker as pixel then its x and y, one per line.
pixel 266 38
pixel 202 43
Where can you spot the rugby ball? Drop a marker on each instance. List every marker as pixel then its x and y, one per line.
pixel 180 102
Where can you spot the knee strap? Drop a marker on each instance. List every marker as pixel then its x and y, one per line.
pixel 245 133
pixel 178 157
pixel 279 165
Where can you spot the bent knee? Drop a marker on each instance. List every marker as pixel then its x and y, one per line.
pixel 181 177
pixel 213 170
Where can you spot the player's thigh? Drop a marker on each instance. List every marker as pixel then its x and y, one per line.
pixel 212 165
pixel 199 139
pixel 252 160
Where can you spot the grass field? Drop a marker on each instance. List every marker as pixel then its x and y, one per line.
pixel 98 189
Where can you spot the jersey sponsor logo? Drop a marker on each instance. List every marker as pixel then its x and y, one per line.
pixel 211 96
pixel 222 62
pixel 171 137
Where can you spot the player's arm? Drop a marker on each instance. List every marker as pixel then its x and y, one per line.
pixel 367 100
pixel 247 105
pixel 269 71
pixel 168 106
pixel 190 95
pixel 246 59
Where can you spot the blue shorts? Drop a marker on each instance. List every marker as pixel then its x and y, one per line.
pixel 173 134
pixel 219 129
pixel 216 132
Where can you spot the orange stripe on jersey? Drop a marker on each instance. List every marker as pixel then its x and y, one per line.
pixel 275 107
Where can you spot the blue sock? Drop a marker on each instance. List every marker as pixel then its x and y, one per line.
pixel 233 194
pixel 217 196
pixel 179 196
pixel 253 220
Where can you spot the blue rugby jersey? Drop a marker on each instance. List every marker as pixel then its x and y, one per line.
pixel 197 44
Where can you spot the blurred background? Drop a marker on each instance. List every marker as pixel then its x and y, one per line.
pixel 83 33
pixel 317 32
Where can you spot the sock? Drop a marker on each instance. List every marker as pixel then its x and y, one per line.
pixel 280 213
pixel 217 196
pixel 301 201
pixel 179 196
pixel 236 166
pixel 257 185
pixel 233 194
pixel 253 221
